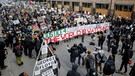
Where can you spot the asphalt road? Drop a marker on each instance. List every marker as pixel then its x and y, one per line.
pixel 14 70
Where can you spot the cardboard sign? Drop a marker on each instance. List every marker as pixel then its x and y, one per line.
pixel 40 19
pixel 16 22
pixel 48 73
pixel 35 27
pixel 43 65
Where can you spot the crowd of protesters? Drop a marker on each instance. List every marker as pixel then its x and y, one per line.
pixel 22 37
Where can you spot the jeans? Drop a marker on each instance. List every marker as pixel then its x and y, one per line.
pixel 82 60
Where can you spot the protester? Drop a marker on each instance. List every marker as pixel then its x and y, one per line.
pixel 109 67
pixel 37 44
pixel 82 50
pixel 99 58
pixel 132 71
pixel 89 61
pixel 73 53
pixel 101 40
pixel 58 61
pixel 2 54
pixel 125 60
pixel 19 24
pixel 74 71
pixel 23 74
pixel 18 53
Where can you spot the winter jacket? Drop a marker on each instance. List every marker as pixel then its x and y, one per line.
pixel 132 72
pixel 73 72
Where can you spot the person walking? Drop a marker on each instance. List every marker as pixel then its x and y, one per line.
pixel 74 71
pixel 23 74
pixel 18 53
pixel 82 50
pixel 125 60
pixel 99 58
pixel 73 53
pixel 101 40
pixel 89 61
pixel 109 67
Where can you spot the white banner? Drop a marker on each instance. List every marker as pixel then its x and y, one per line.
pixel 66 33
pixel 48 73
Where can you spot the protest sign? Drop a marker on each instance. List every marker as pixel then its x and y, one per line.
pixel 40 19
pixel 16 22
pixel 48 73
pixel 66 33
pixel 35 27
pixel 44 64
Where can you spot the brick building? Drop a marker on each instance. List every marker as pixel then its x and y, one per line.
pixel 124 8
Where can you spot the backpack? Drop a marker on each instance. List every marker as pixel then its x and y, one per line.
pixel 76 52
pixel 109 67
pixel 103 58
pixel 90 62
pixel 18 50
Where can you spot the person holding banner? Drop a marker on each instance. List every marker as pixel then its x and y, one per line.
pixel 58 61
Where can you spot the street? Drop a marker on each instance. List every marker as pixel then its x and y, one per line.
pixel 14 70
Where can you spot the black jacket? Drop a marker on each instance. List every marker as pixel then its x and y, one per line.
pixel 73 72
pixel 126 56
pixel 73 48
pixel 132 72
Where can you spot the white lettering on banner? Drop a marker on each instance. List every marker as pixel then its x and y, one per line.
pixel 44 63
pixel 76 31
pixel 48 73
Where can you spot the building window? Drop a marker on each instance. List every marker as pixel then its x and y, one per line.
pixel 87 5
pixel 66 3
pixel 59 2
pixel 102 6
pixel 76 3
pixel 126 8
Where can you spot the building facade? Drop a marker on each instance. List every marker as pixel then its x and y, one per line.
pixel 123 8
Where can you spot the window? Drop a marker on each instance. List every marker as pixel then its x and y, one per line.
pixel 59 2
pixel 102 6
pixel 66 3
pixel 126 8
pixel 76 3
pixel 88 5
